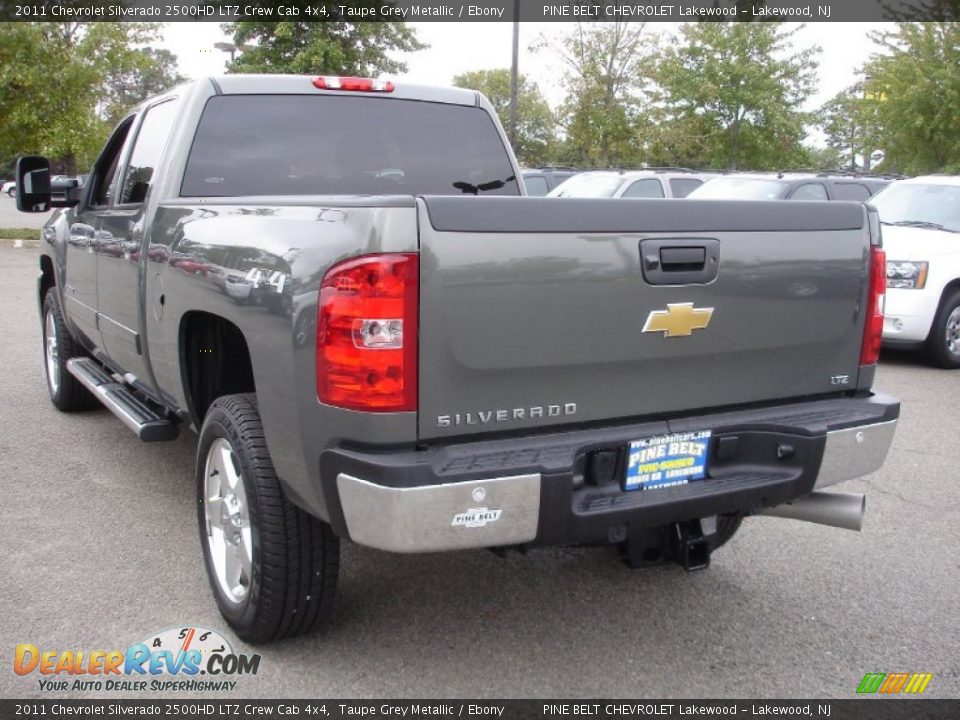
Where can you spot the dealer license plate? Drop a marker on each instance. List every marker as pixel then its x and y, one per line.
pixel 667 460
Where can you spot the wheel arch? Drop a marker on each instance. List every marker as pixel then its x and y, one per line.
pixel 46 280
pixel 214 361
pixel 948 289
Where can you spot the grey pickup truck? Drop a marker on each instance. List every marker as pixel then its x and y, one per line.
pixel 339 284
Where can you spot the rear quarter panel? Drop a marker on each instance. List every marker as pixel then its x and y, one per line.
pixel 293 242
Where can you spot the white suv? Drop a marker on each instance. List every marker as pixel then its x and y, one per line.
pixel 921 237
pixel 647 183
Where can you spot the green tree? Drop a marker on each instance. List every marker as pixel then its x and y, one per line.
pixel 606 71
pixel 57 90
pixel 535 122
pixel 333 47
pixel 825 159
pixel 735 90
pixel 849 121
pixel 924 10
pixel 914 93
pixel 129 84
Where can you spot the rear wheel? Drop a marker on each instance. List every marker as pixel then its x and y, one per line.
pixel 727 526
pixel 66 392
pixel 272 567
pixel 943 344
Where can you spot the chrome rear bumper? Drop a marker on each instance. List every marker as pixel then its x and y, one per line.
pixel 482 513
pixel 855 452
pixel 527 508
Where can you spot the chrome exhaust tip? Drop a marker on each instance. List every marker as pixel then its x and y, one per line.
pixel 840 510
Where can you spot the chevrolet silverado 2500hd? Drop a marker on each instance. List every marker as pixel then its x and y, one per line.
pixel 338 283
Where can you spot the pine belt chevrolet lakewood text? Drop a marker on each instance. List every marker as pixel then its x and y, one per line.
pixel 339 283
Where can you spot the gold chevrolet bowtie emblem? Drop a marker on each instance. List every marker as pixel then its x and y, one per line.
pixel 678 320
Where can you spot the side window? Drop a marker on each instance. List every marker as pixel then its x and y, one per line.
pixel 649 188
pixel 810 191
pixel 108 166
pixel 681 187
pixel 151 139
pixel 536 185
pixel 851 191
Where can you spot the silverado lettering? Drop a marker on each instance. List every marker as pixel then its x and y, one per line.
pixel 486 416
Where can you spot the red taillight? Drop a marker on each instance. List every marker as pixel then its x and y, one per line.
pixel 354 84
pixel 873 327
pixel 367 333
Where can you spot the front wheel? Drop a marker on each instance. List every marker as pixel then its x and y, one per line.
pixel 66 392
pixel 943 344
pixel 273 568
pixel 12 192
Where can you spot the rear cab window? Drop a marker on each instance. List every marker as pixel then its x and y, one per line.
pixel 344 145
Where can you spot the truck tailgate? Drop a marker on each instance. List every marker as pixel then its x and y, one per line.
pixel 537 312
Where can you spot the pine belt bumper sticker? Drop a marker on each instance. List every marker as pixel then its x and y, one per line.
pixel 667 460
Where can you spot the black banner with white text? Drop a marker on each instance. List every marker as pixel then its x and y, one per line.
pixel 481 10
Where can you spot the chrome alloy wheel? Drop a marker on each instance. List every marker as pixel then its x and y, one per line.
pixel 228 521
pixel 953 331
pixel 52 353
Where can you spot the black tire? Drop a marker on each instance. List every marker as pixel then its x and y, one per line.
pixel 12 192
pixel 66 392
pixel 295 556
pixel 946 321
pixel 727 526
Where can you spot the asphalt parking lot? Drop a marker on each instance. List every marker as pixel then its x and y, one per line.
pixel 101 549
pixel 10 217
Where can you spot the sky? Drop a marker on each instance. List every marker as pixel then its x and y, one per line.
pixel 458 47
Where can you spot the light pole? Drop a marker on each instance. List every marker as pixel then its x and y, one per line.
pixel 513 74
pixel 227 47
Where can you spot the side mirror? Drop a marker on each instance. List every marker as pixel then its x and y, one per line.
pixel 33 184
pixel 65 192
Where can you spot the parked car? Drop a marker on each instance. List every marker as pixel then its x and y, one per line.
pixel 541 181
pixel 647 183
pixel 921 236
pixel 440 371
pixel 10 188
pixel 790 186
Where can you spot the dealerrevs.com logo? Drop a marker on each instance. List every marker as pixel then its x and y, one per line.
pixel 179 659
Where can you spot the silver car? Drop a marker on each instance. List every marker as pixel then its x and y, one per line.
pixel 648 183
